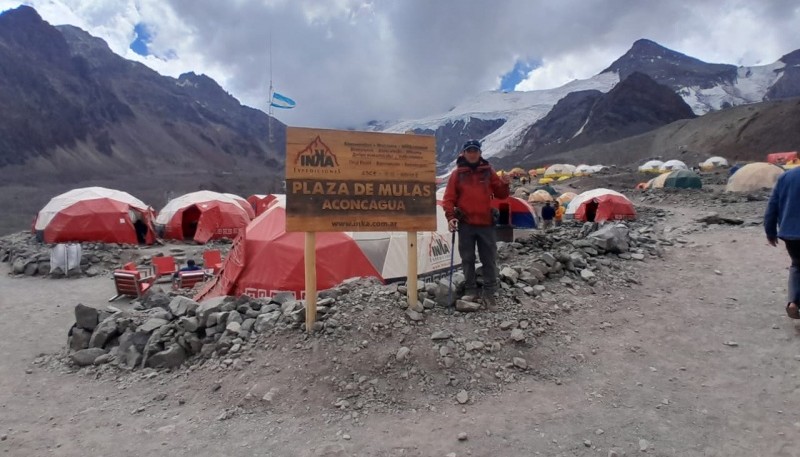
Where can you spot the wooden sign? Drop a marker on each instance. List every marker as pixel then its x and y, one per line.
pixel 344 181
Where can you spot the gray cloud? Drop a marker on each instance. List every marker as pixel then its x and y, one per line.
pixel 350 61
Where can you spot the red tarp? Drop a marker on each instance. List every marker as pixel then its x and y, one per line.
pixel 780 158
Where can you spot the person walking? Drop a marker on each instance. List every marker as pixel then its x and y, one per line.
pixel 468 209
pixel 782 222
pixel 548 215
pixel 560 210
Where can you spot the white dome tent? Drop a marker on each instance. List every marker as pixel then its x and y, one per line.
pixel 671 165
pixel 651 166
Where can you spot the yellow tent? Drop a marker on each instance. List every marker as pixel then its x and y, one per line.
pixel 540 196
pixel 658 181
pixel 545 180
pixel 541 170
pixel 501 173
pixel 754 176
pixel 566 197
pixel 517 171
pixel 564 178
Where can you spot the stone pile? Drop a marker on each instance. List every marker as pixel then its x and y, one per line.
pixel 172 329
pixel 369 350
pixel 30 257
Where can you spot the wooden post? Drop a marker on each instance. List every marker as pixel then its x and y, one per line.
pixel 411 280
pixel 311 280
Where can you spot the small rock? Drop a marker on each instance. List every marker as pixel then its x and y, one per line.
pixel 86 357
pixel 732 344
pixel 414 315
pixel 599 431
pixel 462 396
pixel 517 335
pixel 269 397
pixel 402 354
pixel 467 306
pixel 643 445
pixel 520 363
pixel 441 335
pixel 587 443
pixel 345 436
pixel 462 436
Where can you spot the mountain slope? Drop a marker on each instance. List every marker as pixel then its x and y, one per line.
pixel 703 86
pixel 70 103
pixel 742 133
pixel 635 105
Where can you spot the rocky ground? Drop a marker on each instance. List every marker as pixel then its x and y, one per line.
pixel 674 346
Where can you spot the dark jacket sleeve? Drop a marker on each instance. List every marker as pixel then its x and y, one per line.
pixel 773 212
pixel 499 188
pixel 451 196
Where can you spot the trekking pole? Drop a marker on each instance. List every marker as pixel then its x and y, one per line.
pixel 452 259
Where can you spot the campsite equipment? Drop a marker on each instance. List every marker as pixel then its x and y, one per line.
pixel 202 216
pixel 754 176
pixel 266 260
pixel 95 214
pixel 651 166
pixel 612 206
pixel 670 165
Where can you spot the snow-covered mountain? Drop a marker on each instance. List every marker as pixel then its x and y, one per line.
pixel 502 119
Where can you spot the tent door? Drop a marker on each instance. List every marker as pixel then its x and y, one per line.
pixel 189 220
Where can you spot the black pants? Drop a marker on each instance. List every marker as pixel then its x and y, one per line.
pixel 793 247
pixel 486 240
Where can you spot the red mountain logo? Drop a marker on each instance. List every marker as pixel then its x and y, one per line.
pixel 316 154
pixel 438 246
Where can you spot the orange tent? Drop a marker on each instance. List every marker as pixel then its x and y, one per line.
pixel 780 158
pixel 260 202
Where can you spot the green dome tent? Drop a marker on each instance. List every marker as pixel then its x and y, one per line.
pixel 683 179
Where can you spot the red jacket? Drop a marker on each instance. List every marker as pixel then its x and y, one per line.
pixel 471 191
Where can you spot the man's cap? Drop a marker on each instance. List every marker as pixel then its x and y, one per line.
pixel 472 144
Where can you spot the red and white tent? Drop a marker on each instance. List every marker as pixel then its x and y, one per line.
pixel 95 214
pixel 266 260
pixel 612 205
pixel 202 216
pixel 260 202
pixel 246 206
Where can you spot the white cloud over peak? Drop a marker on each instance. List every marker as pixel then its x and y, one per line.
pixel 349 61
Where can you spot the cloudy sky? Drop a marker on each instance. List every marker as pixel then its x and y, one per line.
pixel 346 62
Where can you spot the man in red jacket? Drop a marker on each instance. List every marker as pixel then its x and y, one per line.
pixel 468 209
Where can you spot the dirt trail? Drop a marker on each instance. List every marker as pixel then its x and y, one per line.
pixel 652 365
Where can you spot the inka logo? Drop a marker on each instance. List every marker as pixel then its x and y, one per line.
pixel 438 247
pixel 317 154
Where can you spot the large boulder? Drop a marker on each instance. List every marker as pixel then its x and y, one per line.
pixel 85 357
pixel 86 317
pixel 172 357
pixel 212 305
pixel 103 333
pixel 183 306
pixel 611 238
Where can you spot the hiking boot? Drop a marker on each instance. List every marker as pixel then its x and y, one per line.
pixel 491 303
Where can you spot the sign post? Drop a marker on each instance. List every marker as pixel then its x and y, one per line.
pixel 344 181
pixel 311 279
pixel 411 278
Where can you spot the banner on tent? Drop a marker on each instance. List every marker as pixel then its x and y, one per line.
pixel 344 181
